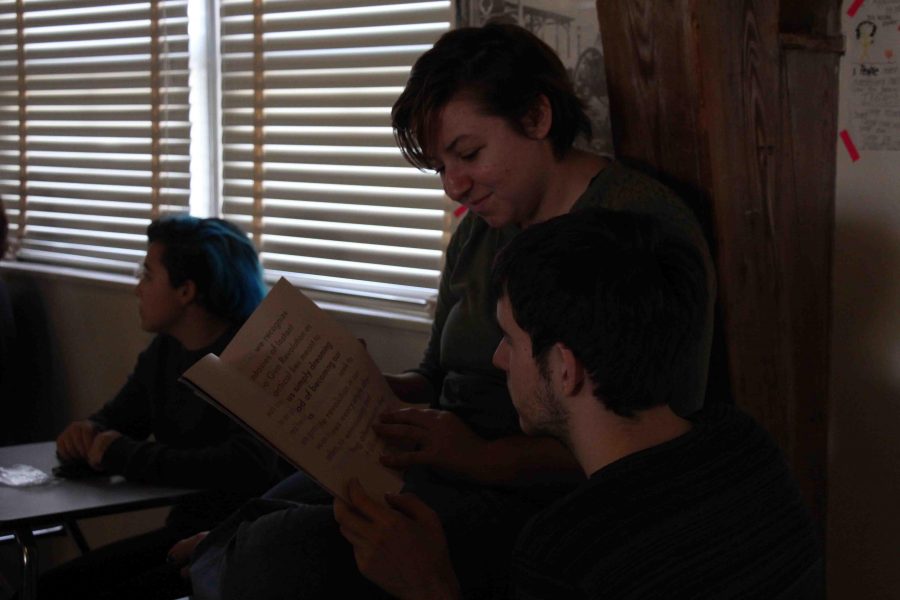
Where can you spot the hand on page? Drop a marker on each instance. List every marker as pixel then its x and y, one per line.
pixel 431 437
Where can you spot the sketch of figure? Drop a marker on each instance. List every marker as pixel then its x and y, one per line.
pixel 865 33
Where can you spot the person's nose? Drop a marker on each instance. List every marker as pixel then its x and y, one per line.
pixel 457 184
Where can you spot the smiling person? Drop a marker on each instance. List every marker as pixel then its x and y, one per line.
pixel 200 281
pixel 493 112
pixel 703 507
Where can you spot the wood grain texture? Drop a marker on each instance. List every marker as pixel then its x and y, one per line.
pixel 719 98
pixel 805 220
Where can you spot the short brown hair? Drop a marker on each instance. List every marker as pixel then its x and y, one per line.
pixel 505 68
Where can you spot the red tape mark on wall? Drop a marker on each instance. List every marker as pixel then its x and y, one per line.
pixel 851 147
pixel 854 7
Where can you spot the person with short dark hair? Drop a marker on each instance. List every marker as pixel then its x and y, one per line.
pixel 199 282
pixel 493 112
pixel 597 311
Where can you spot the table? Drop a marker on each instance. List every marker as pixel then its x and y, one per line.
pixel 23 509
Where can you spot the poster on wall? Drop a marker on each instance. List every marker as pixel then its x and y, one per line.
pixel 571 29
pixel 872 31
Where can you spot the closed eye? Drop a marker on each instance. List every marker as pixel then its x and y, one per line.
pixel 470 155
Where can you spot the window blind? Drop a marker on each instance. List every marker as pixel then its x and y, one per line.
pixel 310 165
pixel 94 129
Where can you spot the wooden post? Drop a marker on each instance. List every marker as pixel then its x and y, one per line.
pixel 735 105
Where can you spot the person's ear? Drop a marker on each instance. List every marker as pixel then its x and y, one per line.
pixel 187 292
pixel 539 119
pixel 569 371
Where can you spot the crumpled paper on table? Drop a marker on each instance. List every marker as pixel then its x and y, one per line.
pixel 23 476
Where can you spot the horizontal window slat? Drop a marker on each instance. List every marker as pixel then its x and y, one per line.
pixel 326 58
pixel 53 10
pixel 74 63
pixel 389 216
pixel 342 194
pixel 295 78
pixel 310 117
pixel 400 177
pixel 47 53
pixel 94 177
pixel 74 260
pixel 109 131
pixel 103 98
pixel 122 239
pixel 348 155
pixel 349 97
pixel 426 239
pixel 352 270
pixel 315 136
pixel 93 35
pixel 171 114
pixel 368 254
pixel 294 22
pixel 132 256
pixel 176 164
pixel 96 80
pixel 239 7
pixel 128 146
pixel 77 192
pixel 84 207
pixel 59 220
pixel 361 37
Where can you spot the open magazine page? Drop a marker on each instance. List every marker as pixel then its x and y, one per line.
pixel 307 387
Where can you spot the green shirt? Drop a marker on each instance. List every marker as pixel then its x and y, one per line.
pixel 464 334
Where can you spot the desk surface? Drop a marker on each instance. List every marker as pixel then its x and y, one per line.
pixel 76 499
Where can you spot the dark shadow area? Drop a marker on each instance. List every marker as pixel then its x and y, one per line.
pixel 33 404
pixel 718 386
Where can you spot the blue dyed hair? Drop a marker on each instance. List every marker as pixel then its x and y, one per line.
pixel 218 257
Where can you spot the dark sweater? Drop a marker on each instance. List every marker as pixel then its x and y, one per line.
pixel 711 514
pixel 193 445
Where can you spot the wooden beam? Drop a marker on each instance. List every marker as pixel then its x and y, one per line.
pixel 735 102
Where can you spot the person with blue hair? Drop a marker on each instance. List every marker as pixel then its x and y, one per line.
pixel 199 282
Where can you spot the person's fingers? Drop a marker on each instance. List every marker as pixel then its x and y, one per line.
pixel 411 506
pixel 404 459
pixel 353 525
pixel 400 433
pixel 408 416
pixel 86 436
pixel 183 549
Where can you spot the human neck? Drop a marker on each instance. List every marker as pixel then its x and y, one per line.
pixel 565 183
pixel 198 328
pixel 602 438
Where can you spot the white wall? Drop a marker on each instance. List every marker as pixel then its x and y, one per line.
pixel 864 469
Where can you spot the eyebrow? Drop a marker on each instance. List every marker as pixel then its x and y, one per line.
pixel 456 140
